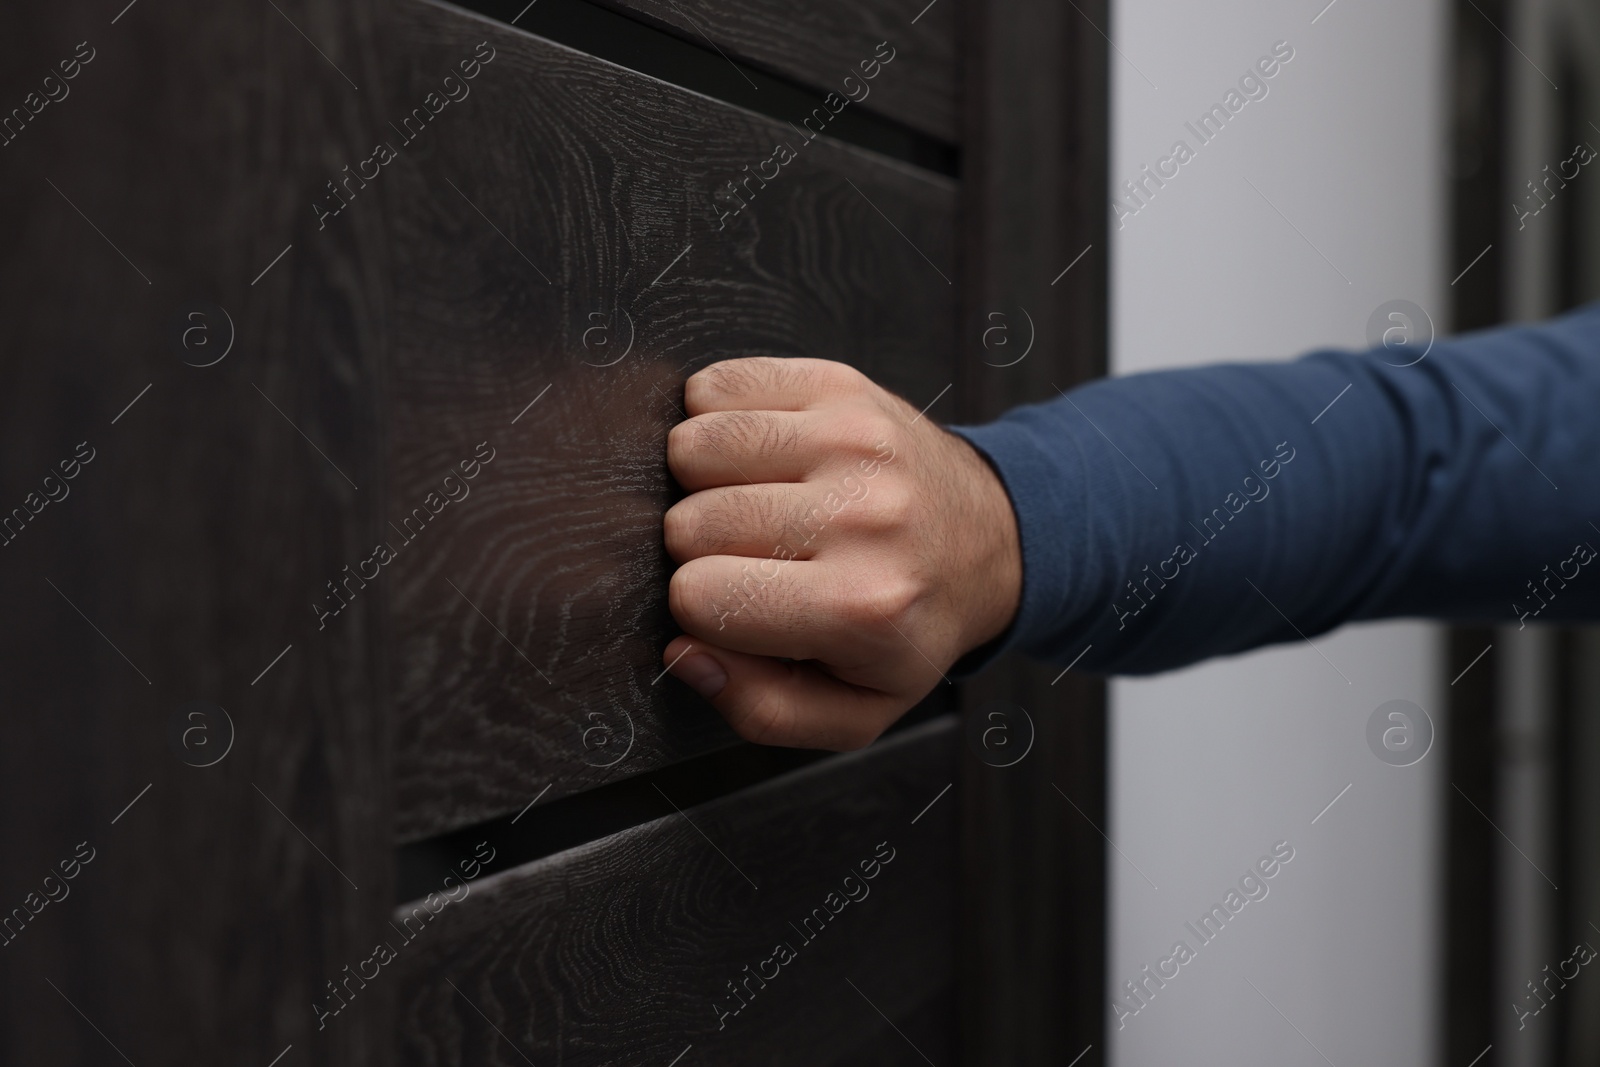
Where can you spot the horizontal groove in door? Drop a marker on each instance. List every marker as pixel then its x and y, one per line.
pixel 562 269
pixel 541 830
pixel 545 829
pixel 694 62
pixel 821 42
pixel 634 947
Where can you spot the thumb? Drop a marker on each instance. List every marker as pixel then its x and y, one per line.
pixel 779 702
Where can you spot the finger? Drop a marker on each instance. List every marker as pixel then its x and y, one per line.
pixel 765 383
pixel 771 524
pixel 758 606
pixel 741 447
pixel 766 523
pixel 802 609
pixel 771 702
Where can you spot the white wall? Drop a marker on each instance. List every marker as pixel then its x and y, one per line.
pixel 1212 765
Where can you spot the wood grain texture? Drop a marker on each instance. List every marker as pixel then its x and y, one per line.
pixel 1034 200
pixel 622 951
pixel 180 164
pixel 556 241
pixel 820 44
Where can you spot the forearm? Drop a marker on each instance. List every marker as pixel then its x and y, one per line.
pixel 1173 516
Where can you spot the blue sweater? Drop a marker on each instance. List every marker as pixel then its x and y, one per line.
pixel 1172 516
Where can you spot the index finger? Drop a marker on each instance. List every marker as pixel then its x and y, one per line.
pixel 764 383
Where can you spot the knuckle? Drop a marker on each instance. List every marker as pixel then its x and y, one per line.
pixel 840 377
pixel 695 440
pixel 881 605
pixel 734 377
pixel 680 592
pixel 680 445
pixel 891 505
pixel 867 434
pixel 840 508
pixel 691 598
pixel 707 382
pixel 882 507
pixel 677 527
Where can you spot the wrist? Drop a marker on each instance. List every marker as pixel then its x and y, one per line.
pixel 991 570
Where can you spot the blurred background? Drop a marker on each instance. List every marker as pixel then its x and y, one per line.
pixel 1423 899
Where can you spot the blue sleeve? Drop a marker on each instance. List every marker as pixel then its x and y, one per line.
pixel 1177 515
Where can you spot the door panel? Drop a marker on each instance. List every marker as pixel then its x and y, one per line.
pixel 627 949
pixel 565 268
pixel 218 874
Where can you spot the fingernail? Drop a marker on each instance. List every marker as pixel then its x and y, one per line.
pixel 702 674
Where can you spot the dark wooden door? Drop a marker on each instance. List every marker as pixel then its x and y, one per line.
pixel 343 650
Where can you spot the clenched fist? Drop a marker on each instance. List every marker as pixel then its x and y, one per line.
pixel 837 552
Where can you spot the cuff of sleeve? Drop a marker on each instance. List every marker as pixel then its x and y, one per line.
pixel 1031 482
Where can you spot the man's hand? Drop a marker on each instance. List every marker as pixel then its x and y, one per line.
pixel 837 551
